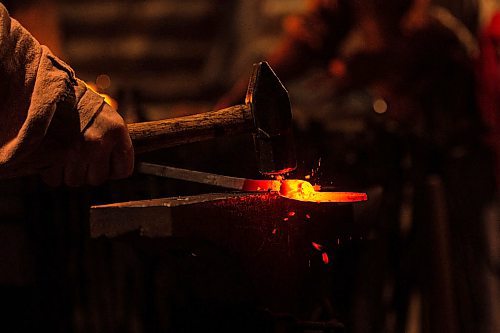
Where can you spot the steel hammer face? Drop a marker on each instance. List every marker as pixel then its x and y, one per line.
pixel 272 114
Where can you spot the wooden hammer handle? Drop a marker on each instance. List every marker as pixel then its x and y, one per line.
pixel 154 135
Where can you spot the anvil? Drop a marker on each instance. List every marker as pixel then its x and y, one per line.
pixel 276 241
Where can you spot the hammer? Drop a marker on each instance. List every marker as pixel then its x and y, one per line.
pixel 266 113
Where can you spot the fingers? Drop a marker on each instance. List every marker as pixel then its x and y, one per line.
pixel 99 161
pixel 75 170
pixel 87 166
pixel 122 161
pixel 103 152
pixel 99 169
pixel 111 155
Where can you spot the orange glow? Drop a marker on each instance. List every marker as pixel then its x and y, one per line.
pixel 108 99
pixel 326 260
pixel 296 189
pixel 337 68
pixel 262 185
pixel 303 191
pixel 317 246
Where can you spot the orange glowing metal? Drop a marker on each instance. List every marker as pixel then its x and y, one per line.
pixel 253 185
pixel 303 191
pixel 296 189
pixel 289 188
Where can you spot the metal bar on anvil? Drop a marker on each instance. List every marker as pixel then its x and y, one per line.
pixel 152 218
pixel 226 218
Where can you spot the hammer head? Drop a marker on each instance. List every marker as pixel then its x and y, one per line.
pixel 272 115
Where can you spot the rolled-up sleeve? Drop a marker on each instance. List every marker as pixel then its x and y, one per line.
pixel 42 103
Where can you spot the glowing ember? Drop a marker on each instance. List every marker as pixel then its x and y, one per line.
pixel 274 231
pixel 326 260
pixel 285 219
pixel 308 216
pixel 291 214
pixel 303 191
pixel 317 246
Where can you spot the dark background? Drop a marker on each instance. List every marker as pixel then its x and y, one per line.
pixel 173 58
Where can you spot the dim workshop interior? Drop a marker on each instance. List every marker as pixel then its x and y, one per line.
pixel 301 166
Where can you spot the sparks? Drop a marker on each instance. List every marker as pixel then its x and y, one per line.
pixel 308 216
pixel 291 214
pixel 326 260
pixel 317 246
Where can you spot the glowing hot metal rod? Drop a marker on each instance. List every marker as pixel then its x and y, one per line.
pixel 295 189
